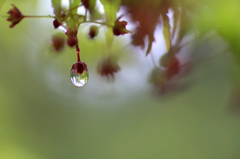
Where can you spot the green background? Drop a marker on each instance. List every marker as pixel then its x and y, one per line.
pixel 43 116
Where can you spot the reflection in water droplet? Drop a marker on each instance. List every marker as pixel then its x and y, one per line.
pixel 79 80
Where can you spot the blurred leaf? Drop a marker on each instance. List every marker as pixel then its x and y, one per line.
pixel 72 19
pixel 111 8
pixel 57 7
pixel 146 14
pixel 72 22
pixel 186 25
pixel 90 5
pixel 176 16
pixel 1 3
pixel 74 3
pixel 224 19
pixel 150 41
pixel 138 38
pixel 166 31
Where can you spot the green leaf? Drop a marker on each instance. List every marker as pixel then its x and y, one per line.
pixel 166 31
pixel 57 7
pixel 111 8
pixel 72 19
pixel 1 3
pixel 74 3
pixel 94 12
pixel 72 22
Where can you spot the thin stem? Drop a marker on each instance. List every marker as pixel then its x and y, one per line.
pixel 78 52
pixel 122 49
pixel 152 58
pixel 85 15
pixel 204 60
pixel 99 23
pixel 41 16
pixel 194 40
pixel 65 18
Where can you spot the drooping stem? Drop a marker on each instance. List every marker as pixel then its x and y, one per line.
pixel 204 60
pixel 78 52
pixel 153 60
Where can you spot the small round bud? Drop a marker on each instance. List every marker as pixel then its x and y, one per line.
pixel 72 38
pixel 93 31
pixel 56 24
pixel 71 41
pixel 58 41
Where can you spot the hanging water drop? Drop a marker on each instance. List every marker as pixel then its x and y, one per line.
pixel 79 74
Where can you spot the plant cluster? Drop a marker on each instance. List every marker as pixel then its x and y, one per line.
pixel 70 20
pixel 146 17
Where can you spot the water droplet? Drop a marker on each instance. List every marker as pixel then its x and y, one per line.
pixel 79 74
pixel 79 80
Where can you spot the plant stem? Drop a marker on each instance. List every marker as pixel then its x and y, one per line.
pixel 202 61
pixel 78 52
pixel 41 16
pixel 85 15
pixel 152 59
pixel 98 23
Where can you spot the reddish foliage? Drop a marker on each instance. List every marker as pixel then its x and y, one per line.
pixel 138 38
pixel 147 15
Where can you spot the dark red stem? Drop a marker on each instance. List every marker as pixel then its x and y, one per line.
pixel 78 52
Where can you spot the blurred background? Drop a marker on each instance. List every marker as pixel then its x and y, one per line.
pixel 43 116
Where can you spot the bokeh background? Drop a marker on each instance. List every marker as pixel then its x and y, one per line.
pixel 43 116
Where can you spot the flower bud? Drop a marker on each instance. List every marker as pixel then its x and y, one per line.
pixel 108 66
pixel 15 16
pixel 56 24
pixel 79 67
pixel 72 38
pixel 93 31
pixel 119 27
pixel 58 41
pixel 171 63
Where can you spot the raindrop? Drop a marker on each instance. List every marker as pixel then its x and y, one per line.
pixel 79 74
